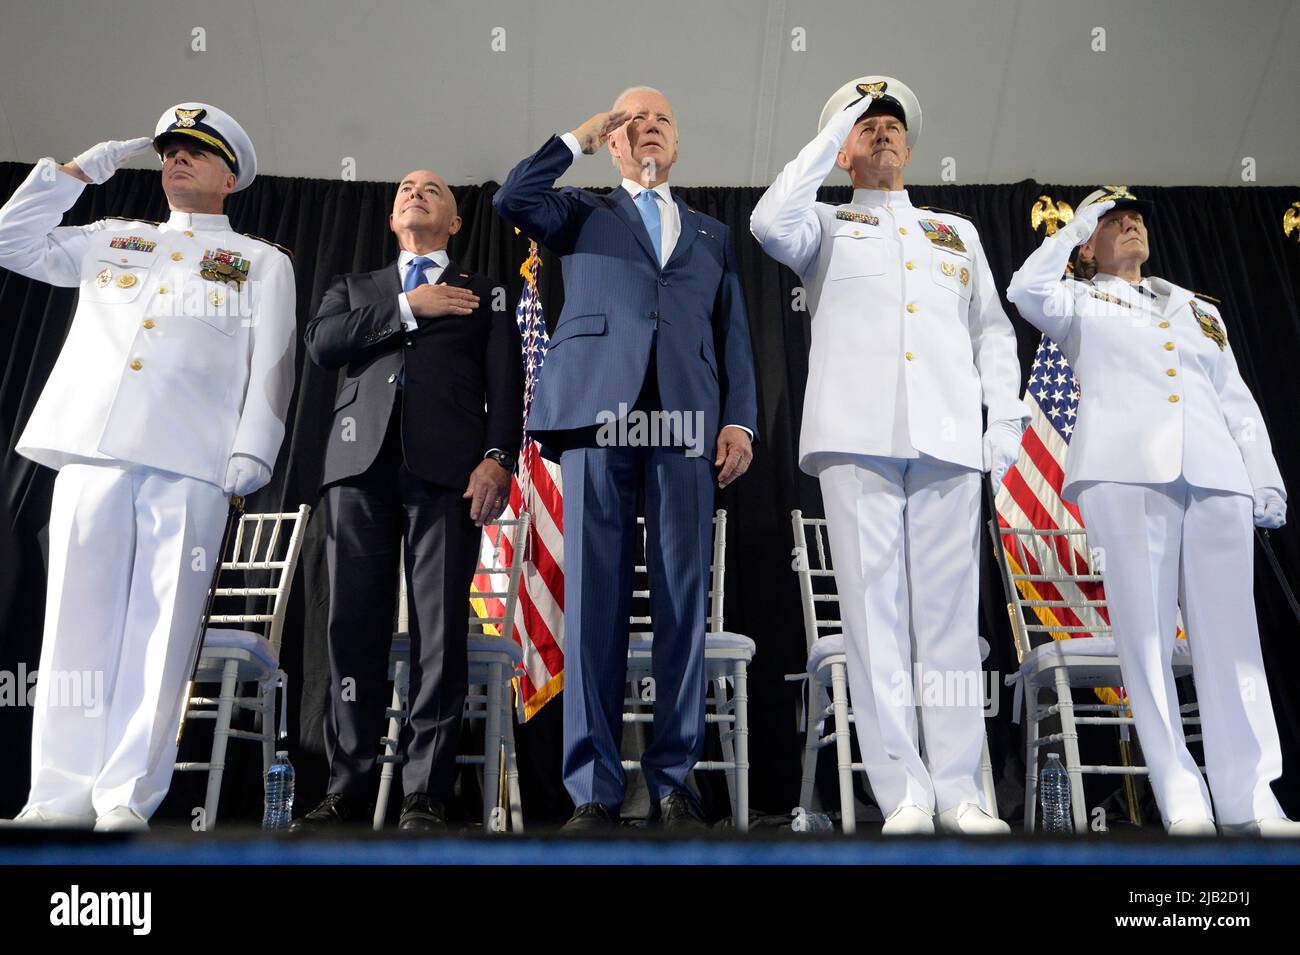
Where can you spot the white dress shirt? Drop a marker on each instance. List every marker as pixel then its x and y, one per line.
pixel 670 220
pixel 432 272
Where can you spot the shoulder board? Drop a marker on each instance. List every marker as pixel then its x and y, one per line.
pixel 1206 298
pixel 270 243
pixel 129 219
pixel 947 212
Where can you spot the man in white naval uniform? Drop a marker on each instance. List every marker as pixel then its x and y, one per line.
pixel 169 394
pixel 908 336
pixel 1170 463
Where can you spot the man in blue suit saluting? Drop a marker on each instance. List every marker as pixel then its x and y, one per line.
pixel 648 367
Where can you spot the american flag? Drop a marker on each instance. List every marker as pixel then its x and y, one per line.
pixel 1030 497
pixel 535 490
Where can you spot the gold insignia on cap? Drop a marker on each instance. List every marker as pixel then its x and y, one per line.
pixel 125 281
pixel 872 89
pixel 1291 221
pixel 1117 193
pixel 185 118
pixel 104 277
pixel 1051 214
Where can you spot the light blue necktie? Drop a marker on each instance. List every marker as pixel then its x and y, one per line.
pixel 415 276
pixel 647 203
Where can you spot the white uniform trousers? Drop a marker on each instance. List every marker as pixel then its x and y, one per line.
pixel 132 552
pixel 903 536
pixel 1165 544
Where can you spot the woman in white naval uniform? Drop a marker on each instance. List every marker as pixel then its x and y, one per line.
pixel 1169 463
pixel 909 339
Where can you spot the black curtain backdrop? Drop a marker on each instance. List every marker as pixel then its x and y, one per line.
pixel 1228 242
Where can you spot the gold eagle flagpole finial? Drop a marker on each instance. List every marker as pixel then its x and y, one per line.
pixel 1052 215
pixel 1291 221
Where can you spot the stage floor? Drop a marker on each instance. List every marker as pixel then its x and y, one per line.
pixel 251 846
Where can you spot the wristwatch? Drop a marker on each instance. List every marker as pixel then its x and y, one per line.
pixel 507 461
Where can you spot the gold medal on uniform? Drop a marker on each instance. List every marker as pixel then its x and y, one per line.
pixel 942 235
pixel 126 281
pixel 965 275
pixel 1211 328
pixel 224 266
pixel 104 277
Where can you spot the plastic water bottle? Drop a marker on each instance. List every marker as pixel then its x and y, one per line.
pixel 1054 793
pixel 805 821
pixel 279 793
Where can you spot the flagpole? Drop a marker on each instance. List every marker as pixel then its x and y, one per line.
pixel 1267 545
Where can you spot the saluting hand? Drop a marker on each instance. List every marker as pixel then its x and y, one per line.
pixel 592 134
pixel 1084 224
pixel 98 163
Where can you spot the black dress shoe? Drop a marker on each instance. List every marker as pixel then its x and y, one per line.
pixel 679 810
pixel 591 817
pixel 422 813
pixel 334 810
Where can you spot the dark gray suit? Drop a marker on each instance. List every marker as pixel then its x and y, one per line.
pixel 414 415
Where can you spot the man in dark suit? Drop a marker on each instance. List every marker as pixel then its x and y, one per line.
pixel 427 422
pixel 653 342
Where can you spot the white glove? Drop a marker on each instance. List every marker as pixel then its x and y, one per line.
pixel 101 161
pixel 245 474
pixel 1002 447
pixel 842 123
pixel 1084 224
pixel 1270 508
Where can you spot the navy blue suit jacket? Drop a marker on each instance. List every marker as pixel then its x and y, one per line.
pixel 619 302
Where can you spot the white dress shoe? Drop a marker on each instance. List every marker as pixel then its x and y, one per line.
pixel 1268 828
pixel 46 819
pixel 970 819
pixel 1191 827
pixel 122 819
pixel 909 820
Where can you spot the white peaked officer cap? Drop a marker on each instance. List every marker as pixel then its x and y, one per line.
pixel 892 97
pixel 1123 200
pixel 215 129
